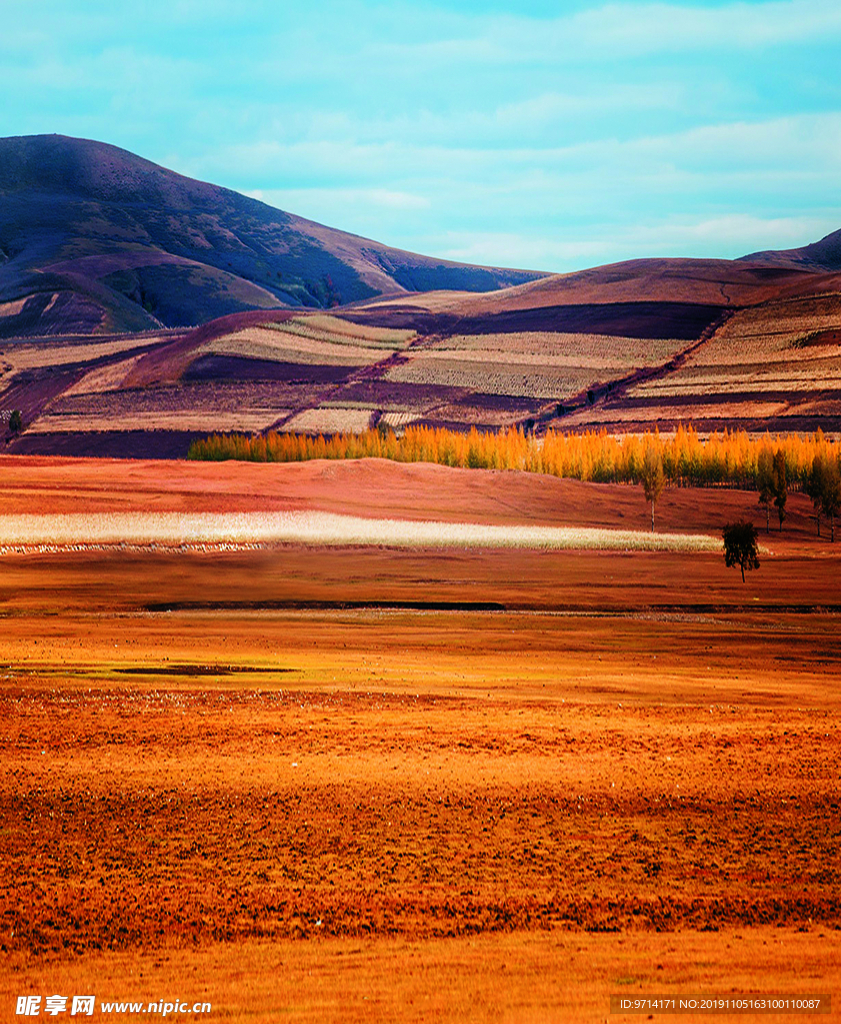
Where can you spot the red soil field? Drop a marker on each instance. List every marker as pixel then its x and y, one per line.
pixel 302 781
pixel 377 488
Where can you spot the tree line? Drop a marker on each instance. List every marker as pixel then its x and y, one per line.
pixel 770 465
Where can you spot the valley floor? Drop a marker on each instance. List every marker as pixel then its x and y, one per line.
pixel 363 784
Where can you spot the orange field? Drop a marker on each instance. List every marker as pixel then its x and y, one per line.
pixel 363 784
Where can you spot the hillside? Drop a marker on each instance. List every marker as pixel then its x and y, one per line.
pixel 823 255
pixel 447 359
pixel 95 239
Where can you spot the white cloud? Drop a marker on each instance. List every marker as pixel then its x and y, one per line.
pixel 801 140
pixel 643 29
pixel 294 200
pixel 792 149
pixel 551 106
pixel 727 236
pixel 499 249
pixel 655 27
pixel 612 30
pixel 735 234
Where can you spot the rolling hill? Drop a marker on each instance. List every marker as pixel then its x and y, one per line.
pixel 108 261
pixel 824 255
pixel 94 239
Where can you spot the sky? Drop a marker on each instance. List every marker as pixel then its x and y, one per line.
pixel 543 135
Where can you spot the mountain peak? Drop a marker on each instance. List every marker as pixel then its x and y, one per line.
pixel 133 244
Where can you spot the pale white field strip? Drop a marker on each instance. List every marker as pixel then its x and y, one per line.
pixel 175 529
pixel 334 420
pixel 493 378
pixel 399 419
pixel 208 420
pixel 576 349
pixel 289 346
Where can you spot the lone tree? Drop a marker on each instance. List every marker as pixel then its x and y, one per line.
pixel 778 484
pixel 765 483
pixel 652 478
pixel 831 495
pixel 15 422
pixel 740 546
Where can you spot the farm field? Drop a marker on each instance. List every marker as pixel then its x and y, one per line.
pixel 782 360
pixel 365 783
pixel 627 348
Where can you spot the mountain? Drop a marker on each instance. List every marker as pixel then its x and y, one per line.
pixel 822 255
pixel 221 315
pixel 627 348
pixel 94 239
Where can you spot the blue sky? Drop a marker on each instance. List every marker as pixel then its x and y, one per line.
pixel 553 136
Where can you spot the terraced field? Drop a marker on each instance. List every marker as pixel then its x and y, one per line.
pixel 247 379
pixel 557 352
pixel 777 364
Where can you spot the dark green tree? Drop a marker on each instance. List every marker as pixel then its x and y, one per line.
pixel 740 546
pixel 16 422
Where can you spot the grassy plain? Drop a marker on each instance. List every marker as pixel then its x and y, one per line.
pixel 361 784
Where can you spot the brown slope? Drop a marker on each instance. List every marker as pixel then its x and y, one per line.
pixel 724 283
pixel 166 364
pixel 823 255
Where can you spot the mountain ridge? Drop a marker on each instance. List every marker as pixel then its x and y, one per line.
pixel 87 226
pixel 823 255
pixel 214 303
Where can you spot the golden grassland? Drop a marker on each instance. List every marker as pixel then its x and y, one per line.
pixel 551 977
pixel 431 799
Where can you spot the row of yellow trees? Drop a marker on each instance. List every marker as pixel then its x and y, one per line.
pixel 730 457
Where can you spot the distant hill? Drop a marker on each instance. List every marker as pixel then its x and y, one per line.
pixel 650 298
pixel 822 255
pixel 94 239
pixel 141 309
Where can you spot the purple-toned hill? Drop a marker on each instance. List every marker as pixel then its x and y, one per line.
pixel 823 255
pixel 96 239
